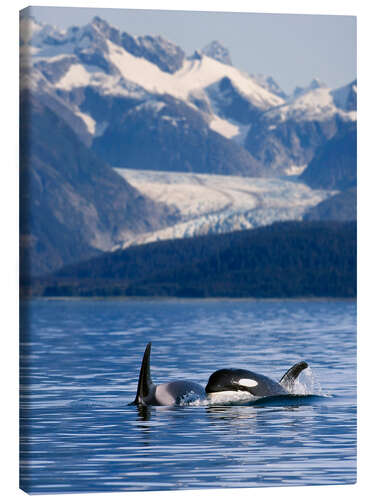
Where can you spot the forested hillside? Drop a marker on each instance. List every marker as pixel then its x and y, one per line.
pixel 290 259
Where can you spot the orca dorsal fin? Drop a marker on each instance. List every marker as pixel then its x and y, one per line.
pixel 290 376
pixel 144 382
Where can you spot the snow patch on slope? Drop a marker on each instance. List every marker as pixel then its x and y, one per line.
pixel 89 121
pixel 195 75
pixel 224 127
pixel 317 104
pixel 76 76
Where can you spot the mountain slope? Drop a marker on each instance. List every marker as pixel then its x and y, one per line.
pixel 291 134
pixel 335 164
pixel 342 206
pixel 72 204
pixel 167 134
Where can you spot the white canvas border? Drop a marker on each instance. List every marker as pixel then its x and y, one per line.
pixel 9 252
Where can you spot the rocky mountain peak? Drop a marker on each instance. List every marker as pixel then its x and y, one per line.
pixel 104 28
pixel 100 23
pixel 345 97
pixel 217 51
pixel 166 55
pixel 268 83
pixel 314 84
pixel 196 56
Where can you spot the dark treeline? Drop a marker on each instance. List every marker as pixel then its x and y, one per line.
pixel 289 259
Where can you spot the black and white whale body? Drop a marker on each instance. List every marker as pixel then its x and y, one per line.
pixel 168 394
pixel 235 380
pixel 227 381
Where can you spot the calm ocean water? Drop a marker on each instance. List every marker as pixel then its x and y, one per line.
pixel 80 363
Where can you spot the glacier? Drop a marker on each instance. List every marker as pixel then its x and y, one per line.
pixel 207 203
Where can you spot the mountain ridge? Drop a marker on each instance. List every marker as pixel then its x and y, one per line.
pixel 249 110
pixel 289 259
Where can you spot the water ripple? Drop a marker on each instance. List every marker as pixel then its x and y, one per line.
pixel 79 369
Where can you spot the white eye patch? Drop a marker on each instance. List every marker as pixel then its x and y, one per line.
pixel 247 382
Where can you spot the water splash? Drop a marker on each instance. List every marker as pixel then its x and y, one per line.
pixel 191 399
pixel 231 397
pixel 306 384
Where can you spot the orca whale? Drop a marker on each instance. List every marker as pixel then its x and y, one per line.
pixel 168 394
pixel 250 384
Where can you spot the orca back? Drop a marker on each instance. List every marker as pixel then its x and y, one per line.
pixel 289 377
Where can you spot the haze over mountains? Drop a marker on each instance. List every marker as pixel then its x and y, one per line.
pixel 95 99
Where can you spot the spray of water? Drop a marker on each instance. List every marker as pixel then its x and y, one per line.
pixel 191 399
pixel 231 397
pixel 305 384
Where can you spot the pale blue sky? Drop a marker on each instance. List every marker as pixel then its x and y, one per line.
pixel 293 49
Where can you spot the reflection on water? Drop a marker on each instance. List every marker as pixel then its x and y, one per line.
pixel 80 365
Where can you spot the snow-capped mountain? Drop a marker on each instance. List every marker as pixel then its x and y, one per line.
pixel 104 76
pixel 141 103
pixel 99 59
pixel 317 102
pixel 292 133
pixel 313 85
pixel 101 50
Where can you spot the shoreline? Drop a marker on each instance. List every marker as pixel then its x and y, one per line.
pixel 190 299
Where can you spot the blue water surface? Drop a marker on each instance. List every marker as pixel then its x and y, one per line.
pixel 80 361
